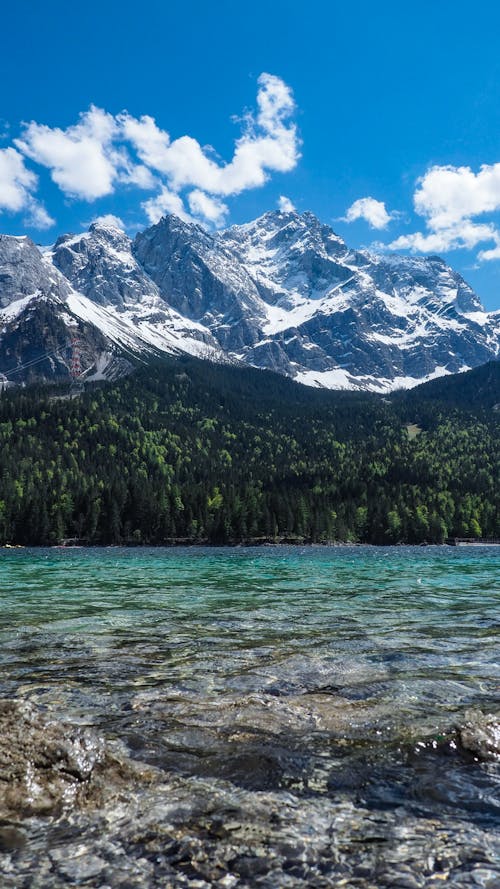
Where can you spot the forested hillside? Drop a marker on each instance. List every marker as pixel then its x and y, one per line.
pixel 198 452
pixel 477 389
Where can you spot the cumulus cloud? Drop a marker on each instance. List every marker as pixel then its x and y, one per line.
pixel 269 143
pixel 202 206
pixel 17 185
pixel 81 158
pixel 84 160
pixel 110 220
pixel 36 215
pixel 449 199
pixel 165 202
pixel 372 211
pixel 285 204
pixel 16 182
pixel 209 208
pixel 93 157
pixel 459 236
pixel 447 195
pixel 151 142
pixel 493 252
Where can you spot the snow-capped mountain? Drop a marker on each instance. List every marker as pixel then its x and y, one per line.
pixel 282 292
pixel 201 278
pixel 100 265
pixel 339 316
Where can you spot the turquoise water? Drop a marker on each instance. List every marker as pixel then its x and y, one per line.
pixel 328 674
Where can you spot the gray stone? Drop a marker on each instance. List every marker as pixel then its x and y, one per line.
pixel 481 734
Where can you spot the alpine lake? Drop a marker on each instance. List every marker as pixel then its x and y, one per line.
pixel 239 717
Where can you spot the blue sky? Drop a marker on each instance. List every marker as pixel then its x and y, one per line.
pixel 392 134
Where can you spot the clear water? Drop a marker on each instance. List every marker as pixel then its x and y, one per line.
pixel 320 684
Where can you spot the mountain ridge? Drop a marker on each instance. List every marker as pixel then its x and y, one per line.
pixel 282 292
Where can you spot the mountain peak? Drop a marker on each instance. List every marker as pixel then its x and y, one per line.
pixel 283 292
pixel 105 226
pixel 172 222
pixel 287 226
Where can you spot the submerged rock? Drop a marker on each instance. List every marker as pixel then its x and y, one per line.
pixel 481 734
pixel 44 765
pixel 48 766
pixel 109 821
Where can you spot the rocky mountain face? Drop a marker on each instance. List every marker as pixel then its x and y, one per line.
pixel 283 292
pixel 344 317
pixel 202 279
pixel 37 325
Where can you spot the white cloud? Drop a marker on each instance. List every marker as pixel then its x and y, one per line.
pixel 37 216
pixel 446 195
pixel 84 160
pixel 150 142
pixel 493 253
pixel 269 143
pixel 449 198
pixel 372 211
pixel 459 236
pixel 101 152
pixel 165 202
pixel 110 220
pixel 208 208
pixel 139 175
pixel 275 101
pixel 16 182
pixel 285 204
pixel 80 158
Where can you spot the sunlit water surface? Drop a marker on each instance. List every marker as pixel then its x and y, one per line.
pixel 316 684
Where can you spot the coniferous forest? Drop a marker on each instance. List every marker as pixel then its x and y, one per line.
pixel 187 451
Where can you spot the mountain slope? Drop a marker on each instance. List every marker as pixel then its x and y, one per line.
pixel 37 320
pixel 380 321
pixel 283 292
pixel 103 305
pixel 477 389
pixel 202 279
pixel 100 264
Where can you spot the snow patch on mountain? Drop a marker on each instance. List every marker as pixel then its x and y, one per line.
pixel 339 379
pixel 17 306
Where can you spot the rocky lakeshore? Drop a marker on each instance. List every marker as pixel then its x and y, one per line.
pixel 77 810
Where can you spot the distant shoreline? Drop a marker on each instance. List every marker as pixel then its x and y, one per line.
pixel 247 544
